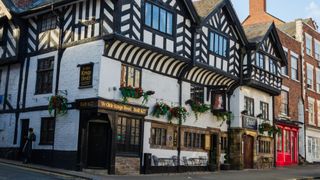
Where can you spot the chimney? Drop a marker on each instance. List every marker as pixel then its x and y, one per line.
pixel 22 3
pixel 257 7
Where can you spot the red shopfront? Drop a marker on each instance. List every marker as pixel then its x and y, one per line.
pixel 287 145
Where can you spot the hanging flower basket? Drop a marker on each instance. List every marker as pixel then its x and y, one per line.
pixel 59 104
pixel 198 108
pixel 135 93
pixel 160 109
pixel 224 117
pixel 266 127
pixel 179 113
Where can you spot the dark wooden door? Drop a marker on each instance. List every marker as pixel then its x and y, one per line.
pixel 24 132
pixel 97 145
pixel 214 150
pixel 248 152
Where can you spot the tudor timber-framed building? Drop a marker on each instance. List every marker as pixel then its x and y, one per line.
pixel 86 50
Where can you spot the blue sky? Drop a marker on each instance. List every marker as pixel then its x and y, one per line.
pixel 287 10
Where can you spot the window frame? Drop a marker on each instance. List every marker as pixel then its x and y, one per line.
pixel 273 63
pixel 309 50
pixel 294 69
pixel 167 10
pixel 46 18
pixel 136 69
pixel 312 77
pixel 251 100
pixel 285 69
pixel 262 109
pixel 39 90
pixel 258 60
pixel 162 138
pixel 311 113
pixel 286 104
pixel 45 132
pixel 212 44
pixel 126 148
pixel 193 140
pixel 317 50
pixel 197 93
pixel 264 147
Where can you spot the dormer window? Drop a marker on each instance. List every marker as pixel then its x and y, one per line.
pixel 260 60
pixel 158 18
pixel 48 22
pixel 218 44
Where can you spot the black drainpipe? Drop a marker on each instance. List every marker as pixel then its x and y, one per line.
pixel 60 50
pixel 179 126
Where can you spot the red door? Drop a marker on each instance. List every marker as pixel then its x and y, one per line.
pixel 287 146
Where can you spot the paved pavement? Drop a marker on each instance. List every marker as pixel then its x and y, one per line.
pixel 9 172
pixel 14 170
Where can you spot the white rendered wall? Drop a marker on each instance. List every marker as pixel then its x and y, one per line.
pixel 237 103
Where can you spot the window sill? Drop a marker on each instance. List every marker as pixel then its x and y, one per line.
pixel 45 144
pixel 85 87
pixel 286 76
pixel 120 154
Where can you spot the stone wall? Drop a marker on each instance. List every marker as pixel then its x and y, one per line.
pixel 127 165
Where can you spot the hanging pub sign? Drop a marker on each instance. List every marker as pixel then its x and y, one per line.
pixel 218 101
pixel 86 75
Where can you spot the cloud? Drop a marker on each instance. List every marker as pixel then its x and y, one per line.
pixel 313 11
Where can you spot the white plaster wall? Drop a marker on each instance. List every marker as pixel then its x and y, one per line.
pixel 13 85
pixel 3 83
pixel 237 103
pixel 110 75
pixel 31 98
pixel 66 130
pixel 70 72
pixel 7 125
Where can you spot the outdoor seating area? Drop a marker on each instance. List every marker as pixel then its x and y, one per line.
pixel 173 161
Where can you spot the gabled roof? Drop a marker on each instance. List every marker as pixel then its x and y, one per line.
pixel 290 27
pixel 13 7
pixel 257 33
pixel 207 8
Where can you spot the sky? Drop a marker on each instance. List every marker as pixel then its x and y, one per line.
pixel 286 10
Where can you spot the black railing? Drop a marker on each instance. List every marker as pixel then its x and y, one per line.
pixel 266 77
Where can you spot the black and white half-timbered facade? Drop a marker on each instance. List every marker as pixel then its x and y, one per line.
pixel 106 83
pixel 253 107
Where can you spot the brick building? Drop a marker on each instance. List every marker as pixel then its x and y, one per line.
pixel 301 81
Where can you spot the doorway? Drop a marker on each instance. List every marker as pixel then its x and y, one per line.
pixel 24 132
pixel 98 143
pixel 213 151
pixel 248 152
